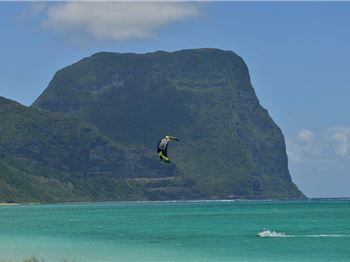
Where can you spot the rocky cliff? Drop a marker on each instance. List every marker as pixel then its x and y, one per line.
pixel 230 147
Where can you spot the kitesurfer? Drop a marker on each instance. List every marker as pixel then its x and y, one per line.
pixel 162 148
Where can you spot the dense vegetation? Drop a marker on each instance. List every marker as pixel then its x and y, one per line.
pixel 107 114
pixel 230 147
pixel 47 157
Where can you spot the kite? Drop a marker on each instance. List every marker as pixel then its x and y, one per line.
pixel 162 148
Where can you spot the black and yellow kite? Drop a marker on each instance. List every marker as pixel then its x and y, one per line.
pixel 162 148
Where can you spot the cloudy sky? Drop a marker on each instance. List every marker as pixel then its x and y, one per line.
pixel 298 54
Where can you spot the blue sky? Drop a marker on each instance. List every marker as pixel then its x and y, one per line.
pixel 298 54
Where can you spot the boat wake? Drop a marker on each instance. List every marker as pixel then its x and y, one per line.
pixel 269 233
pixel 325 235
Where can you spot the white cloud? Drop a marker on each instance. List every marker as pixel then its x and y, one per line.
pixel 328 146
pixel 321 166
pixel 294 151
pixel 115 20
pixel 305 135
pixel 340 136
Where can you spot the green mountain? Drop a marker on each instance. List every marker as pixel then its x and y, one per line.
pixel 47 157
pixel 230 147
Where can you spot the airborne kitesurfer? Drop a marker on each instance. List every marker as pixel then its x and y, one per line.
pixel 162 148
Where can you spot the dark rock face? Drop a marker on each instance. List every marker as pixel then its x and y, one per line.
pixel 230 147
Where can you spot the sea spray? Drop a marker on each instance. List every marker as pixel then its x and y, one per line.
pixel 268 233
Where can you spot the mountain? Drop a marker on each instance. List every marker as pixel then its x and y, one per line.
pixel 47 157
pixel 230 147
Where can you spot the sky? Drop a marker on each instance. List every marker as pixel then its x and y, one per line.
pixel 298 55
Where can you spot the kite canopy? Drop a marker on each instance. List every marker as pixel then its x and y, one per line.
pixel 162 148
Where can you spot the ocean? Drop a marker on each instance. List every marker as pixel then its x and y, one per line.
pixel 309 230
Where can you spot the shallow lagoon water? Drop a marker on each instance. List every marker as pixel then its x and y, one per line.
pixel 316 230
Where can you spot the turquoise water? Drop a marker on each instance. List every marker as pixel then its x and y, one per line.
pixel 317 230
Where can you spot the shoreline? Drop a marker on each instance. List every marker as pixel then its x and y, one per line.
pixel 174 201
